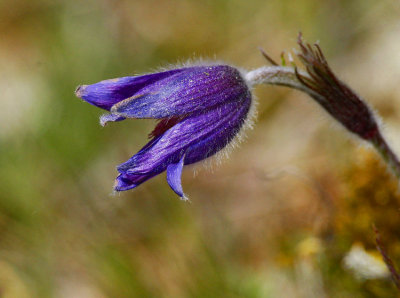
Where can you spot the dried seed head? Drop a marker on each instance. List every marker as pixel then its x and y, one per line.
pixel 334 95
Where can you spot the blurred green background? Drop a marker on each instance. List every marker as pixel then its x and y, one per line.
pixel 288 215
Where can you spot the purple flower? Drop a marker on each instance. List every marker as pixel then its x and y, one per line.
pixel 200 111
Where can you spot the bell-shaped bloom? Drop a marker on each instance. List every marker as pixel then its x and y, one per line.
pixel 200 111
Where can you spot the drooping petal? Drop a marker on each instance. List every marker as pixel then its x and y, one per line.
pixel 194 89
pixel 200 136
pixel 174 174
pixel 107 93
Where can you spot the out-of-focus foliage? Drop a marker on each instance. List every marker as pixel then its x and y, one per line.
pixel 275 220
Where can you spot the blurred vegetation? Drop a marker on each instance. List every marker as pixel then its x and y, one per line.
pixel 275 220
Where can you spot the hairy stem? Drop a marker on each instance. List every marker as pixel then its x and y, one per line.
pixel 281 76
pixel 386 153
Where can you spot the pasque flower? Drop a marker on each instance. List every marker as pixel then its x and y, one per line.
pixel 202 108
pixel 200 111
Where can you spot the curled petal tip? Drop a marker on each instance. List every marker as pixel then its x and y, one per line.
pixel 185 198
pixel 79 90
pixel 127 181
pixel 174 177
pixel 104 119
pixel 122 184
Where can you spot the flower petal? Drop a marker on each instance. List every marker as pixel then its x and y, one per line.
pixel 174 174
pixel 110 117
pixel 194 89
pixel 200 136
pixel 127 181
pixel 107 93
pixel 164 124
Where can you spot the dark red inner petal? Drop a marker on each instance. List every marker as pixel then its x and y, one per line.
pixel 164 124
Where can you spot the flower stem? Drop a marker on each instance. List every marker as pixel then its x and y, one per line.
pixel 274 75
pixel 279 75
pixel 386 153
